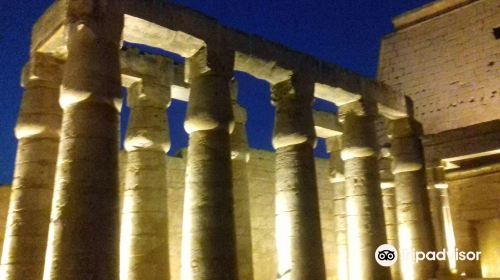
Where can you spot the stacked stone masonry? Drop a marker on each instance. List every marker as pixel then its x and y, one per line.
pixel 448 65
pixel 221 210
pixel 445 57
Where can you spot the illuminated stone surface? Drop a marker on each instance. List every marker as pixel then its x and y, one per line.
pixel 298 228
pixel 144 236
pixel 241 196
pixel 37 130
pixel 410 190
pixel 208 235
pixel 365 225
pixel 225 211
pixel 83 240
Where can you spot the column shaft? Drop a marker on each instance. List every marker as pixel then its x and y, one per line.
pixel 208 211
pixel 144 234
pixel 391 224
pixel 240 157
pixel 436 208
pixel 340 228
pixel 389 203
pixel 364 212
pixel 297 214
pixel 298 228
pixel 334 147
pixel 414 225
pixel 84 230
pixel 412 205
pixel 31 195
pixel 208 239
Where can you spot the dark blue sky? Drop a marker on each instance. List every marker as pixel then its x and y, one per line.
pixel 344 32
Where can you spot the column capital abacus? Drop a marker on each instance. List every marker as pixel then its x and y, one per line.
pixel 359 136
pixel 100 20
pixel 40 112
pixel 42 70
pixel 93 29
pixel 148 94
pixel 334 148
pixel 405 144
pixel 294 122
pixel 334 144
pixel 384 163
pixel 210 60
pixel 239 141
pixel 404 127
pixel 436 177
pixel 209 71
pixel 148 127
pixel 362 107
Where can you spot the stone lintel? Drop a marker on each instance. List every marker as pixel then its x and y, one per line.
pixel 158 68
pixel 326 124
pixel 185 31
pixel 137 67
pixel 141 31
pixel 472 172
pixel 48 32
pixel 267 70
pixel 471 140
pixel 335 95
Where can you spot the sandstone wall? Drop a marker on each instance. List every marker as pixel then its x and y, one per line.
pixel 474 205
pixel 449 65
pixel 489 242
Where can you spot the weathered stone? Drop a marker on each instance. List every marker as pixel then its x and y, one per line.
pixel 298 228
pixel 208 238
pixel 37 130
pixel 84 230
pixel 363 200
pixel 144 230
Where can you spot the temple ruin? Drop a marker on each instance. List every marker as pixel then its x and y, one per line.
pixel 414 155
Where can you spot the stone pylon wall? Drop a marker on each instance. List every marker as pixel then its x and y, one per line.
pixel 448 65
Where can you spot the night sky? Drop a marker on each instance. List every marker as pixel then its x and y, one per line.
pixel 344 32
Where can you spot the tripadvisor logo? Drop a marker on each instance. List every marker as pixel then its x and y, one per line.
pixel 386 255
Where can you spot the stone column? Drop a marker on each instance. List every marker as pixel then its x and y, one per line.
pixel 334 148
pixel 38 131
pixel 364 212
pixel 436 189
pixel 240 157
pixel 208 239
pixel 144 234
pixel 389 203
pixel 412 206
pixel 83 240
pixel 298 229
